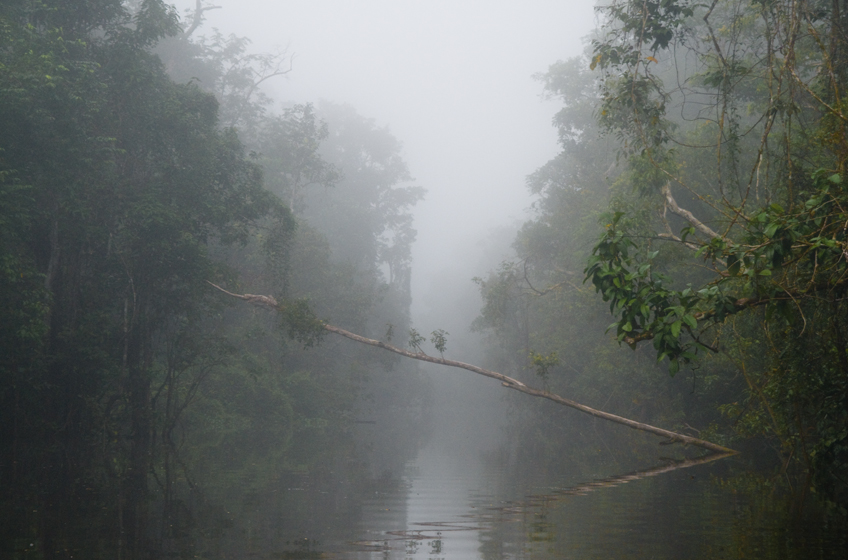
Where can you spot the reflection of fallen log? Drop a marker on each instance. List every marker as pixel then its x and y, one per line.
pixel 609 482
pixel 447 526
pixel 515 511
pixel 439 527
pixel 508 382
pixel 409 535
pixel 371 546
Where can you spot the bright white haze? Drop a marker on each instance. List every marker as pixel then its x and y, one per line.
pixel 451 79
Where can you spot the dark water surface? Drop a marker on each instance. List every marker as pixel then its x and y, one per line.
pixel 372 496
pixel 466 509
pixel 455 504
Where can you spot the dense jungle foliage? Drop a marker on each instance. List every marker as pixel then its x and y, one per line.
pixel 699 197
pixel 138 162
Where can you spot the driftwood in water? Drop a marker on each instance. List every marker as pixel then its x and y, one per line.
pixel 506 381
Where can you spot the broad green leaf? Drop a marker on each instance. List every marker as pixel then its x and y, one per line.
pixel 673 367
pixel 675 328
pixel 771 229
pixel 733 265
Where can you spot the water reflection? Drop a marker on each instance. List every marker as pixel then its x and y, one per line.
pixel 454 503
pixel 463 509
pixel 448 505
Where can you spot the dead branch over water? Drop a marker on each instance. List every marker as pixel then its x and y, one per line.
pixel 506 381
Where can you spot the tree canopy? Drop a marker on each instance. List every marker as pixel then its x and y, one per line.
pixel 139 161
pixel 709 143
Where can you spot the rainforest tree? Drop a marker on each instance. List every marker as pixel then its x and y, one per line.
pixel 116 182
pixel 724 237
pixel 743 156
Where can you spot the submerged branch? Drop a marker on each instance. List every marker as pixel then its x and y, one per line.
pixel 506 381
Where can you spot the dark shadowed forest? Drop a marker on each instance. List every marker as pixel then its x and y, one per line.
pixel 684 264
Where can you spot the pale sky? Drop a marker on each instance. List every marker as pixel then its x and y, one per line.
pixel 451 79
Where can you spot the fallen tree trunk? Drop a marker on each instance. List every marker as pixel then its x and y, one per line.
pixel 506 381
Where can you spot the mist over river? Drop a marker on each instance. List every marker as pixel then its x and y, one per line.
pixel 466 496
pixel 444 279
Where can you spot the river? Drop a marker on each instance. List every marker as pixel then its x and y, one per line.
pixel 456 508
pixel 461 497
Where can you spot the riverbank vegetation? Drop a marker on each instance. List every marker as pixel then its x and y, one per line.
pixel 697 203
pixel 699 199
pixel 138 162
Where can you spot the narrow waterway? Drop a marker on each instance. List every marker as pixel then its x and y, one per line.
pixel 467 508
pixel 462 496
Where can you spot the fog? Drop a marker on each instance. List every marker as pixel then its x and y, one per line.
pixel 366 168
pixel 451 80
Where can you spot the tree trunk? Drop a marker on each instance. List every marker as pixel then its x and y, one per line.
pixel 134 522
pixel 506 381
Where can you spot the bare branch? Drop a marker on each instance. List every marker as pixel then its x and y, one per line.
pixel 672 205
pixel 265 301
pixel 197 18
pixel 670 234
pixel 506 381
pixel 547 290
pixel 808 89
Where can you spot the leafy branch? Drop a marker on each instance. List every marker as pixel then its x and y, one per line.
pixel 783 257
